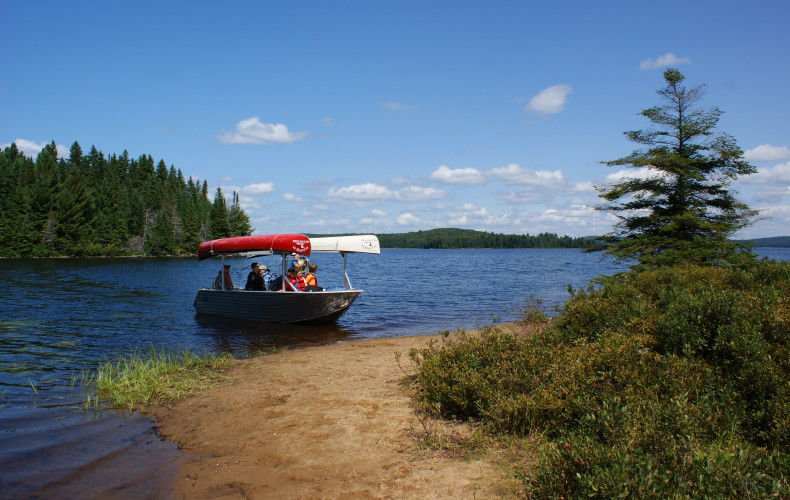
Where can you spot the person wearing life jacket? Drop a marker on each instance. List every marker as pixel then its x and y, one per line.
pixel 228 281
pixel 267 277
pixel 299 281
pixel 310 280
pixel 292 276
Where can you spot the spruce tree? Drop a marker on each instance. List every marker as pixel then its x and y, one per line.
pixel 680 209
pixel 218 224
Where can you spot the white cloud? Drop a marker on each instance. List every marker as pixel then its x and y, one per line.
pixel 668 59
pixel 514 174
pixel 397 106
pixel 550 101
pixel 780 174
pixel 522 196
pixel 361 192
pixel 458 176
pixel 293 198
pixel 766 152
pixel 406 219
pixel 32 149
pixel 415 193
pixel 258 189
pixel 635 173
pixel 378 213
pixel 252 131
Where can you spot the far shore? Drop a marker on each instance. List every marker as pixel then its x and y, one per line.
pixel 332 421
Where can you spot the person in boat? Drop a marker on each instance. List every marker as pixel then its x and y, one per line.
pixel 255 278
pixel 267 277
pixel 311 282
pixel 228 280
pixel 300 282
pixel 292 275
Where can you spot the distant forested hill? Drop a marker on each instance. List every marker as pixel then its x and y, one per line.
pixel 92 205
pixel 468 238
pixel 778 241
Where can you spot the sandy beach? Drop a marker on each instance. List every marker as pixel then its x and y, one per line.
pixel 333 421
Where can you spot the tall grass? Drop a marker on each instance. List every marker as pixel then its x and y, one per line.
pixel 143 379
pixel 670 383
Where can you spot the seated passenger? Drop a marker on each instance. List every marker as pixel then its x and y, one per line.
pixel 254 279
pixel 295 282
pixel 267 277
pixel 218 281
pixel 311 282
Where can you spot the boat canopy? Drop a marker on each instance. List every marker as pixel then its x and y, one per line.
pixel 363 243
pixel 265 243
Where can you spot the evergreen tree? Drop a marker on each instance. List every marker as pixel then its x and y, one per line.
pixel 160 239
pixel 218 224
pixel 682 210
pixel 238 220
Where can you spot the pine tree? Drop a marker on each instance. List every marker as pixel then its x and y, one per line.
pixel 218 224
pixel 238 220
pixel 682 209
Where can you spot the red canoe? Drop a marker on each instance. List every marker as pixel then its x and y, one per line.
pixel 290 243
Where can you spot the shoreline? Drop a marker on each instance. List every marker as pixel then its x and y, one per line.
pixel 324 421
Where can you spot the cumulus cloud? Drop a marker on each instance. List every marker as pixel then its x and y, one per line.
pixel 32 149
pixel 371 192
pixel 549 101
pixel 668 59
pixel 635 173
pixel 293 198
pixel 415 193
pixel 378 213
pixel 252 131
pixel 258 189
pixel 780 174
pixel 448 175
pixel 766 152
pixel 361 192
pixel 407 219
pixel 397 106
pixel 515 174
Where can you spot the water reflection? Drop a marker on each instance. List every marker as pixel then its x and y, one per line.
pixel 244 337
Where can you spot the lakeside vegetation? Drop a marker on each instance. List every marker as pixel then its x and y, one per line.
pixel 444 238
pixel 96 205
pixel 670 383
pixel 671 380
pixel 145 379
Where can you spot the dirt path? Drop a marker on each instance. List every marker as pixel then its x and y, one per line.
pixel 321 422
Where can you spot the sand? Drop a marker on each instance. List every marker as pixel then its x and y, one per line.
pixel 332 421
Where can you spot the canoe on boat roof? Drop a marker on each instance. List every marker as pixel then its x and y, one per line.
pixel 297 243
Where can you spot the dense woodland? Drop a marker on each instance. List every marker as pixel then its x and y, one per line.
pixel 467 238
pixel 92 205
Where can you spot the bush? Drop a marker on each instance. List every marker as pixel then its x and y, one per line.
pixel 673 382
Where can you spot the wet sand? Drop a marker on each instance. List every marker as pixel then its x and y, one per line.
pixel 321 422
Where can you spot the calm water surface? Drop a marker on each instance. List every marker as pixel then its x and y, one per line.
pixel 61 317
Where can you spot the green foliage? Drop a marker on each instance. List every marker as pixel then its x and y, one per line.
pixel 93 205
pixel 146 379
pixel 679 208
pixel 664 383
pixel 466 238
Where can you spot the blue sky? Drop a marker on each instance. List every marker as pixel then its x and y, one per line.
pixel 397 116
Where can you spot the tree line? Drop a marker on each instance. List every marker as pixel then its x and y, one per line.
pixel 89 204
pixel 468 238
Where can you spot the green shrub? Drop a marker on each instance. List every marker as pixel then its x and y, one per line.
pixel 665 383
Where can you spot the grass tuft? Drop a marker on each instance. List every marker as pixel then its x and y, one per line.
pixel 148 379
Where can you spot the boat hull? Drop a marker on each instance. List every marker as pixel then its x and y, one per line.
pixel 276 307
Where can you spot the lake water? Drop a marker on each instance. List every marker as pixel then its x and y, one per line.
pixel 61 317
